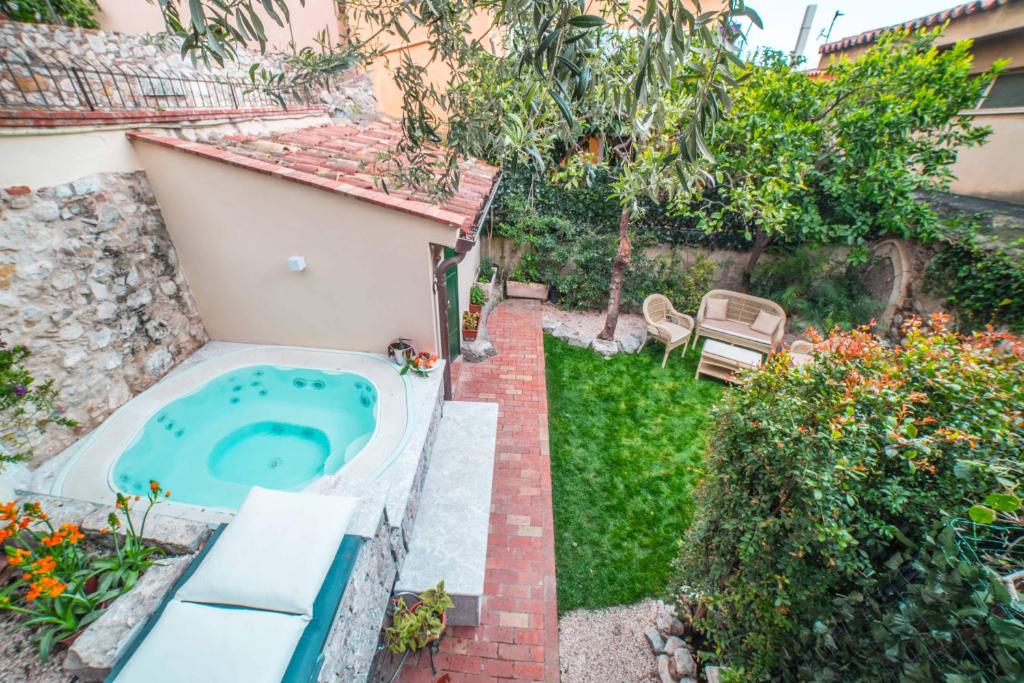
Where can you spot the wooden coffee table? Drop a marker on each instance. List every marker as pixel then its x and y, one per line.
pixel 725 361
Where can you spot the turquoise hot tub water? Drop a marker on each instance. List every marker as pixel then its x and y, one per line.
pixel 279 428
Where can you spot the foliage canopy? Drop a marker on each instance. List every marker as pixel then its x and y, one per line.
pixel 817 545
pixel 839 156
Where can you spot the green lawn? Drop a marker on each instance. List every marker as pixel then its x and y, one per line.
pixel 627 446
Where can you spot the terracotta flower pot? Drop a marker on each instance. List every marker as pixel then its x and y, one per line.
pixel 475 308
pixel 444 619
pixel 469 335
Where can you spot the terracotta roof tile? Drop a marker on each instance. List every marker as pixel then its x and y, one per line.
pixel 344 159
pixel 935 19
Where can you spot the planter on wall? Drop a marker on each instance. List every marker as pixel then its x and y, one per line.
pixel 488 286
pixel 526 290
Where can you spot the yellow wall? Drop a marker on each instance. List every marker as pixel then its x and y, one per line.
pixel 369 274
pixel 138 16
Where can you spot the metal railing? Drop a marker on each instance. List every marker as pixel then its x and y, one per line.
pixel 88 87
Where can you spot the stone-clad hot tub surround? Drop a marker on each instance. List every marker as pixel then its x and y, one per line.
pixel 89 282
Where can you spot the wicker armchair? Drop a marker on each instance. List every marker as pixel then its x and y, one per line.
pixel 735 328
pixel 666 324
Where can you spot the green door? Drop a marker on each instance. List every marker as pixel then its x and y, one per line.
pixel 451 279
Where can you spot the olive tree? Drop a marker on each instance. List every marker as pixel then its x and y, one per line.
pixel 650 83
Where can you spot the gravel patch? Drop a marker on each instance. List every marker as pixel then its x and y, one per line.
pixel 590 323
pixel 19 662
pixel 598 646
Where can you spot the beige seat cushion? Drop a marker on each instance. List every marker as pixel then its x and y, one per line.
pixel 738 330
pixel 766 323
pixel 672 332
pixel 215 645
pixel 274 554
pixel 716 309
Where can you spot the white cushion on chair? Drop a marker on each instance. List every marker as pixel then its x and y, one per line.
pixel 274 555
pixel 671 331
pixel 215 645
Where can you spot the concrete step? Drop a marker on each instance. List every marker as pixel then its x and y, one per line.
pixel 449 539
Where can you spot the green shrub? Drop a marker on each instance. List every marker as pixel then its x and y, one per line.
pixel 575 257
pixel 70 12
pixel 813 294
pixel 983 286
pixel 816 550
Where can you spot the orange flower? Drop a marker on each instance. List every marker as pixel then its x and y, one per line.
pixel 53 587
pixel 9 511
pixel 153 486
pixel 33 592
pixel 72 533
pixel 44 565
pixel 17 556
pixel 51 541
pixel 167 493
pixel 5 533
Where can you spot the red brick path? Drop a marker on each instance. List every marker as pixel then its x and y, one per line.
pixel 518 636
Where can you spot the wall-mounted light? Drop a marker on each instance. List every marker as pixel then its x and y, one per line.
pixel 296 264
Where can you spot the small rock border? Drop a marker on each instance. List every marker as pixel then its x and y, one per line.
pixel 630 344
pixel 675 660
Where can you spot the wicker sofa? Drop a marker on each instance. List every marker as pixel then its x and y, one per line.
pixel 735 328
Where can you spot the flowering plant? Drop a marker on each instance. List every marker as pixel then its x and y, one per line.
pixel 826 486
pixel 421 364
pixel 63 587
pixel 26 408
pixel 470 320
pixel 52 590
pixel 131 556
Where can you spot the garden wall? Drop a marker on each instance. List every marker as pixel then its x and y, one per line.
pixel 89 282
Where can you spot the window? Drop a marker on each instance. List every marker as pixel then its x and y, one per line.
pixel 1006 91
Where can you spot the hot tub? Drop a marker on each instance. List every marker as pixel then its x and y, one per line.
pixel 276 417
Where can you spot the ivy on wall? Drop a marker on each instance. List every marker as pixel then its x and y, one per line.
pixel 572 236
pixel 984 286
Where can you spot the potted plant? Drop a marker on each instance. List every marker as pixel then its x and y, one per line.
pixel 476 298
pixel 416 626
pixel 422 364
pixel 525 281
pixel 470 325
pixel 488 274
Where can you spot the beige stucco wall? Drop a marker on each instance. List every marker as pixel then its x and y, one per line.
pixel 995 170
pixel 40 157
pixel 369 269
pixel 139 16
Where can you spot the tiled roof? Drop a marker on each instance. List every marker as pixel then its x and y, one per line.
pixel 951 14
pixel 343 159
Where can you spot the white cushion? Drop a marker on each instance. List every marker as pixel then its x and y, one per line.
pixel 738 330
pixel 275 554
pixel 716 309
pixel 766 323
pixel 671 331
pixel 215 645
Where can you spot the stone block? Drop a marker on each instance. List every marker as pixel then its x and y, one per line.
pixel 604 347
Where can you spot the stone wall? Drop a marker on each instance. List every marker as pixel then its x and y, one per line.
pixel 349 97
pixel 89 281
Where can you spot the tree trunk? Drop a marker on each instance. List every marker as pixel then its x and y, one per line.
pixel 761 240
pixel 623 255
